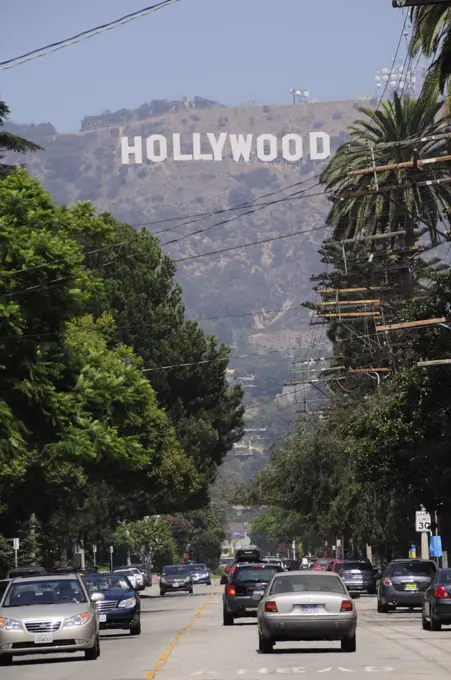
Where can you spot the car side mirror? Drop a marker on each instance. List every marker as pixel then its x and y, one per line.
pixel 97 597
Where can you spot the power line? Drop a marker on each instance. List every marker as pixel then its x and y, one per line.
pixel 84 35
pixel 199 217
pixel 256 312
pixel 217 359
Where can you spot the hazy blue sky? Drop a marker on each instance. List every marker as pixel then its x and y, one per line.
pixel 230 51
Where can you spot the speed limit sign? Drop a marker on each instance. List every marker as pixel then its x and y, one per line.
pixel 422 521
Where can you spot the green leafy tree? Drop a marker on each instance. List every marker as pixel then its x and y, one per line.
pixel 431 36
pixel 151 536
pixel 141 293
pixel 11 143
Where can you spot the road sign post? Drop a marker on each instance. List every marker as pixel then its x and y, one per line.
pixel 16 544
pixel 111 557
pixel 423 526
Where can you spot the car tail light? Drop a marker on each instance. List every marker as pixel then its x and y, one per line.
pixel 346 606
pixel 441 593
pixel 387 582
pixel 231 590
pixel 270 606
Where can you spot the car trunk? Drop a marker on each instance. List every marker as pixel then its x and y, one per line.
pixel 297 604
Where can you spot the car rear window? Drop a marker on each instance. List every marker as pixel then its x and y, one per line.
pixel 307 583
pixel 255 573
pixel 361 566
pixel 444 577
pixel 411 569
pixel 323 563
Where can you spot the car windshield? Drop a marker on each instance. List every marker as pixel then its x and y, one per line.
pixel 360 566
pixel 52 591
pixel 197 567
pixel 255 573
pixel 175 571
pixel 98 584
pixel 310 583
pixel 411 569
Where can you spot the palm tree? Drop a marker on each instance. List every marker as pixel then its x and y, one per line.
pixel 431 35
pixel 11 143
pixel 402 119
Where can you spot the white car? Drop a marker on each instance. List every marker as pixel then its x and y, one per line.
pixel 134 575
pixel 300 605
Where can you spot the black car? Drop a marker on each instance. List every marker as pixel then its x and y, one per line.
pixel 246 586
pixel 359 576
pixel 121 608
pixel 176 578
pixel 437 601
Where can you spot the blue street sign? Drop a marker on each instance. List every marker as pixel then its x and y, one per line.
pixel 435 549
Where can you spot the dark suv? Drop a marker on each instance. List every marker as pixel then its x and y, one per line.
pixel 359 576
pixel 245 589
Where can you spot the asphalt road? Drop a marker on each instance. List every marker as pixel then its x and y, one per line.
pixel 183 639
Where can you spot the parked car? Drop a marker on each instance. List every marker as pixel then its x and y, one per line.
pixel 358 575
pixel 176 578
pixel 200 574
pixel 134 576
pixel 404 584
pixel 245 589
pixel 121 608
pixel 299 605
pixel 47 615
pixel 437 601
pixel 143 569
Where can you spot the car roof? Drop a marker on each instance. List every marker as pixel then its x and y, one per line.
pixel 326 574
pixel 46 577
pixel 412 559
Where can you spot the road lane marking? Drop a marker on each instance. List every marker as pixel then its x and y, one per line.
pixel 291 670
pixel 163 658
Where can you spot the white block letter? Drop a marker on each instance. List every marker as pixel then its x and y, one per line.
pixel 262 154
pixel 127 150
pixel 241 147
pixel 217 144
pixel 177 148
pixel 197 149
pixel 152 154
pixel 315 154
pixel 288 155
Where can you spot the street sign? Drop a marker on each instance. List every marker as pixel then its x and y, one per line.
pixel 111 549
pixel 16 544
pixel 422 521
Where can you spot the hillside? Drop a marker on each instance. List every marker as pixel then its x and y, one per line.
pixel 87 166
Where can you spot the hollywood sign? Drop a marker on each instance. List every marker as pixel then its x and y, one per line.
pixel 213 147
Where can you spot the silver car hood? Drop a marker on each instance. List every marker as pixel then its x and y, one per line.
pixel 38 612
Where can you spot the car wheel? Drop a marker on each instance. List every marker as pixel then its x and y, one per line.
pixel 265 645
pixel 435 625
pixel 6 660
pixel 190 591
pixel 382 608
pixel 349 644
pixel 425 623
pixel 135 629
pixel 162 593
pixel 227 619
pixel 208 583
pixel 93 653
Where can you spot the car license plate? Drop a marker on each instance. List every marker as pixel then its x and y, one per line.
pixel 176 585
pixel 410 586
pixel 102 618
pixel 259 593
pixel 356 576
pixel 43 639
pixel 307 608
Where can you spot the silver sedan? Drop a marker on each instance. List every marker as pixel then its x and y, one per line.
pixel 300 605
